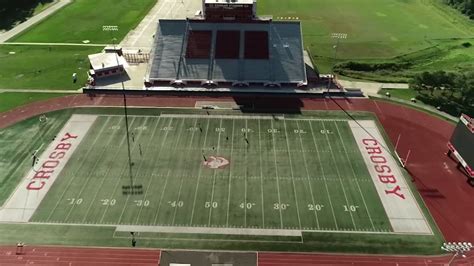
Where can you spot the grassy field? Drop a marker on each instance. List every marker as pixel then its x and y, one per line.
pixel 302 173
pixel 43 67
pixel 83 20
pixel 10 100
pixel 376 29
pixel 405 94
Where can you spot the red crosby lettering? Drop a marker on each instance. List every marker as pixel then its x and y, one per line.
pixel 54 159
pixel 380 165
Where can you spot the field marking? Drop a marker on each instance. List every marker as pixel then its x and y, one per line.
pixel 116 184
pixel 309 179
pixel 161 149
pixel 182 178
pixel 261 173
pixel 56 123
pixel 89 150
pixel 268 117
pixel 339 175
pixel 322 170
pixel 245 180
pixel 139 135
pixel 292 175
pixel 401 207
pixel 199 175
pixel 276 175
pixel 214 175
pixel 355 176
pixel 161 197
pixel 96 193
pixel 151 176
pixel 91 172
pixel 230 174
pixel 167 174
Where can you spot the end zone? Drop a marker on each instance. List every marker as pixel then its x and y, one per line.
pixel 398 201
pixel 35 185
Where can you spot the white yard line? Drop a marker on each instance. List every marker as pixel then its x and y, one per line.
pixel 97 192
pixel 355 177
pixel 276 175
pixel 245 180
pixel 136 174
pixel 121 173
pixel 339 175
pixel 91 172
pixel 161 197
pixel 199 176
pixel 89 150
pixel 292 175
pixel 182 178
pixel 230 174
pixel 163 140
pixel 324 177
pixel 214 176
pixel 261 174
pixel 147 148
pixel 308 177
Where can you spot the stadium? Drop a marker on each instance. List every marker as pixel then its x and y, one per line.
pixel 235 151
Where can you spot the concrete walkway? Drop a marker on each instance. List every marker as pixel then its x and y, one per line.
pixel 371 87
pixel 33 20
pixel 142 36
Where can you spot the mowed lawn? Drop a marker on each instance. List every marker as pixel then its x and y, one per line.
pixel 375 28
pixel 10 100
pixel 83 20
pixel 290 173
pixel 43 67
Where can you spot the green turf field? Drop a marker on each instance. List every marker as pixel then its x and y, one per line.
pixel 304 173
pixel 43 67
pixel 378 30
pixel 291 174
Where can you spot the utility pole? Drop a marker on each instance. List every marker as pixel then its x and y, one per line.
pixel 114 29
pixel 338 37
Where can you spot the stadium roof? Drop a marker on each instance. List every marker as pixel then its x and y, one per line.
pixel 265 52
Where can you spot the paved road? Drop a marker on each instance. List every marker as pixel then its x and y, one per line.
pixel 142 36
pixel 33 20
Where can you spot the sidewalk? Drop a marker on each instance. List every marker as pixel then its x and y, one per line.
pixel 33 20
pixel 371 87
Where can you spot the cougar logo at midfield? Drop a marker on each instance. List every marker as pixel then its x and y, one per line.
pixel 215 162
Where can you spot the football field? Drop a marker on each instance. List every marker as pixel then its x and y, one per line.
pixel 227 171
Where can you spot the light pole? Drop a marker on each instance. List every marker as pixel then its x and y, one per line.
pixel 338 37
pixel 458 248
pixel 113 29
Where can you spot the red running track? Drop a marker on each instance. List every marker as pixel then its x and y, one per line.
pixel 443 188
pixel 79 256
